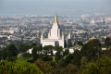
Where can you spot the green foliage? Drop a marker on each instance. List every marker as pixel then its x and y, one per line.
pixel 90 68
pixel 68 69
pixel 92 49
pixel 47 58
pixel 72 58
pixel 44 66
pixel 104 65
pixel 34 53
pixel 58 54
pixel 18 67
pixel 76 57
pixel 84 62
pixel 66 52
pixel 58 48
pixel 48 49
pixel 80 43
pixel 10 52
pixel 108 42
pixel 100 66
pixel 24 47
pixel 90 60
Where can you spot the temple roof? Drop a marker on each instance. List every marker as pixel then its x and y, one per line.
pixel 56 19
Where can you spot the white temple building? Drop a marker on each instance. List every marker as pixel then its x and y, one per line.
pixel 55 36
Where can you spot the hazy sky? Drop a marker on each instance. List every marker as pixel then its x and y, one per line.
pixel 52 7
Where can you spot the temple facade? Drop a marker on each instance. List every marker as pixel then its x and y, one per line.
pixel 55 36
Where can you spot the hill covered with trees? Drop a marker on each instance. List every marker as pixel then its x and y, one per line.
pixel 91 59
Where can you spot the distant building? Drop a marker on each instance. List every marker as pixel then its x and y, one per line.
pixel 55 36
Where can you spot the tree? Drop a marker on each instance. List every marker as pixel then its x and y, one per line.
pixel 90 68
pixel 24 47
pixel 72 58
pixel 76 57
pixel 70 69
pixel 48 49
pixel 18 67
pixel 10 52
pixel 36 51
pixel 108 42
pixel 67 69
pixel 99 66
pixel 66 52
pixel 80 43
pixel 58 49
pixel 92 49
pixel 104 64
pixel 48 53
pixel 44 66
pixel 84 62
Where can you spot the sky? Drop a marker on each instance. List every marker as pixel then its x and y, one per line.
pixel 52 7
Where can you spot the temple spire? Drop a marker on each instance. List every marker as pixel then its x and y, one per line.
pixel 56 19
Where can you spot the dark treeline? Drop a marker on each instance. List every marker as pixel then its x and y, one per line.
pixel 91 59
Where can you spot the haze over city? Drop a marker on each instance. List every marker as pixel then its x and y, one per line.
pixel 74 8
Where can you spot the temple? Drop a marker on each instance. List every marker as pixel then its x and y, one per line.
pixel 55 36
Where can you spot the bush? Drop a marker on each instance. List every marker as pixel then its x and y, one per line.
pixel 18 67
